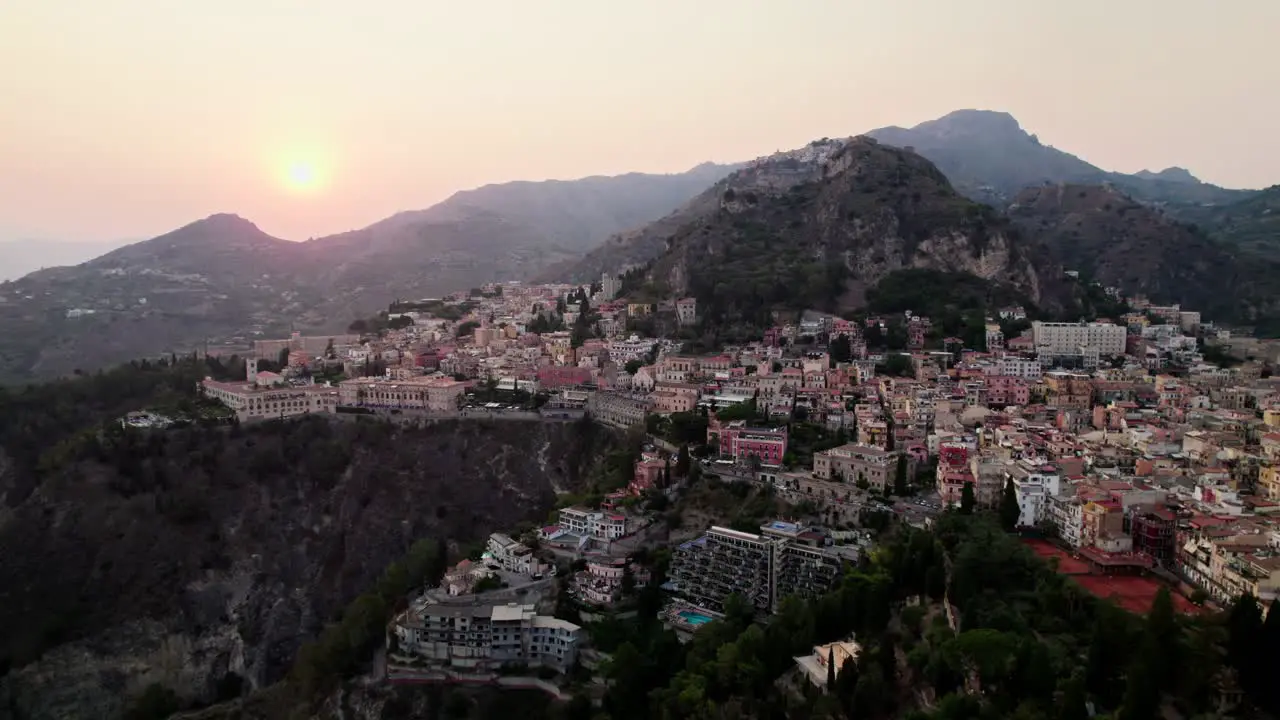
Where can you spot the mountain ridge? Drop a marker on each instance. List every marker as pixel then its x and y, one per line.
pixel 223 280
pixel 1121 242
pixel 985 154
pixel 990 157
pixel 866 209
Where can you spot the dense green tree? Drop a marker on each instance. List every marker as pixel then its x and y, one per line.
pixel 1107 655
pixel 1072 706
pixel 1269 639
pixel 1244 635
pixel 900 477
pixel 831 670
pixel 968 501
pixel 840 349
pixel 896 365
pixel 682 461
pixel 1009 510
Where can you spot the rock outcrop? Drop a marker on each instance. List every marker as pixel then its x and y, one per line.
pixel 204 558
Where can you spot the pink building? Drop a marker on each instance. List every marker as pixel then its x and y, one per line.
pixel 557 376
pixel 648 473
pixel 1007 390
pixel 953 472
pixel 741 443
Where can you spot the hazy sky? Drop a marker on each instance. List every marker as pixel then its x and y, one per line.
pixel 127 118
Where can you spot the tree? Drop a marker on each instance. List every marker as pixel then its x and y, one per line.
pixel 628 580
pixel 862 482
pixel 1244 631
pixel 1009 510
pixel 831 670
pixel 900 477
pixel 841 349
pixel 967 499
pixel 895 365
pixel 155 703
pixel 1072 705
pixel 682 461
pixel 1269 638
pixel 632 366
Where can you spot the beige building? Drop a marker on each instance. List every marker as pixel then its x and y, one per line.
pixel 432 394
pixel 852 462
pixel 258 402
pixel 618 410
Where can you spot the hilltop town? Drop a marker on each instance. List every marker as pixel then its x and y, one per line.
pixel 1140 451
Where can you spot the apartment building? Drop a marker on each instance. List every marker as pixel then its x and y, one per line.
pixel 633 348
pixel 512 555
pixel 474 636
pixel 1056 338
pixel 1033 485
pixel 601 582
pixel 1019 367
pixel 1225 567
pixel 803 566
pixel 852 462
pixel 721 563
pixel 1066 511
pixel 621 411
pixel 784 559
pixel 592 523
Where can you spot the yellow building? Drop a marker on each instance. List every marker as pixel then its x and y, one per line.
pixel 1269 482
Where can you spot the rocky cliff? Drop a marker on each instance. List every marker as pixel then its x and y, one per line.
pixel 768 175
pixel 1121 242
pixel 870 210
pixel 201 559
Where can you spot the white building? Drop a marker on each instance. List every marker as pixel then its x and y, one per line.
pixel 592 523
pixel 1053 338
pixel 485 637
pixel 1019 367
pixel 609 286
pixel 1066 512
pixel 995 337
pixel 687 311
pixel 1033 485
pixel 512 555
pixel 633 348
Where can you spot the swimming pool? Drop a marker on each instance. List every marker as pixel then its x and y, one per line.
pixel 693 618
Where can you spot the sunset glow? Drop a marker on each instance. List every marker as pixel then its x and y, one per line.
pixel 302 176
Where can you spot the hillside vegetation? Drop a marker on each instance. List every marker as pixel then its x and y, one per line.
pixel 1122 243
pixel 822 245
pixel 203 556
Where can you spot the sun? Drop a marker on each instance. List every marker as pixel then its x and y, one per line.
pixel 302 176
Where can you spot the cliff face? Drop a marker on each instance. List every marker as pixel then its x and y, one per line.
pixel 766 176
pixel 871 210
pixel 1123 243
pixel 185 557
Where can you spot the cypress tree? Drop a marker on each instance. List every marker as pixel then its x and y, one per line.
pixel 1009 511
pixel 831 670
pixel 900 477
pixel 968 501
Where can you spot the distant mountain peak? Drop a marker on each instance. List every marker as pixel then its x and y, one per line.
pixel 223 222
pixel 1170 174
pixel 973 122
